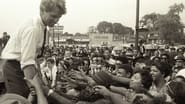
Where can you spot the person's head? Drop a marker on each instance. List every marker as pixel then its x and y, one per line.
pixel 86 64
pixel 156 53
pixel 180 51
pixel 139 63
pixel 124 70
pixel 51 11
pixel 106 54
pixel 164 58
pixel 172 50
pixel 97 59
pixel 157 71
pixel 156 59
pixel 141 79
pixel 179 61
pixel 116 51
pixel 180 76
pixel 50 62
pixel 5 34
pixel 63 66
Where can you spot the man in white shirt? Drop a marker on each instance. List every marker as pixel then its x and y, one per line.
pixel 49 72
pixel 24 47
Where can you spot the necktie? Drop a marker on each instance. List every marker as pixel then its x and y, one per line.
pixel 43 44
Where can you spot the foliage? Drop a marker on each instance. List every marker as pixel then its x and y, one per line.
pixel 168 26
pixel 176 9
pixel 104 27
pixel 149 21
pixel 169 29
pixel 114 28
pixel 92 29
pixel 117 28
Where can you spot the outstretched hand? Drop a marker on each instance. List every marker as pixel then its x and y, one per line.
pixel 102 90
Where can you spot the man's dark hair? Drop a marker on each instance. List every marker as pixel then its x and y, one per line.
pixel 146 78
pixel 51 60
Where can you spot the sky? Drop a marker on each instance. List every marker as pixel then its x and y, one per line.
pixel 82 13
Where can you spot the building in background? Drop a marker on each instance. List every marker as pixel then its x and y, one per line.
pixel 56 37
pixel 55 34
pixel 106 39
pixel 93 38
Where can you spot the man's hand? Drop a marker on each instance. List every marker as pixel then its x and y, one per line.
pixel 34 82
pixel 34 87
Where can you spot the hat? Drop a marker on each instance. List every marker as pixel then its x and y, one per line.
pixel 179 57
pixel 181 73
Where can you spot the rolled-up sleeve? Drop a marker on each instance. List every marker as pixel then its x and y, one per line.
pixel 28 47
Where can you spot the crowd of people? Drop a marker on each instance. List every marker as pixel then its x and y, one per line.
pixel 113 75
pixel 38 74
pixel 3 40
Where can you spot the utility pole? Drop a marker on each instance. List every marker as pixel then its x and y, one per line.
pixel 58 34
pixel 137 24
pixel 53 36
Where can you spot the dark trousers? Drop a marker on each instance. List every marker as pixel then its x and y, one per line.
pixel 2 88
pixel 14 78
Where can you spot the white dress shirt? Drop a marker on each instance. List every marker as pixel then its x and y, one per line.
pixel 26 44
pixel 50 73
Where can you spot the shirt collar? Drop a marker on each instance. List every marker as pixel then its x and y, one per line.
pixel 41 22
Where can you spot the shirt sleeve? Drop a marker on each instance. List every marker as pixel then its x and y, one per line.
pixel 28 47
pixel 54 72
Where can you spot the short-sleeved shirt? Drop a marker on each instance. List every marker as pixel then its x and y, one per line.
pixel 25 45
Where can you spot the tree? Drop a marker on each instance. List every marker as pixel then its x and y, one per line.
pixel 118 28
pixel 67 34
pixel 92 29
pixel 169 29
pixel 149 21
pixel 176 9
pixel 104 27
pixel 78 34
pixel 169 26
pixel 128 30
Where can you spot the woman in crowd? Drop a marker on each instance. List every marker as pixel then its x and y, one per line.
pixel 158 88
pixel 138 92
